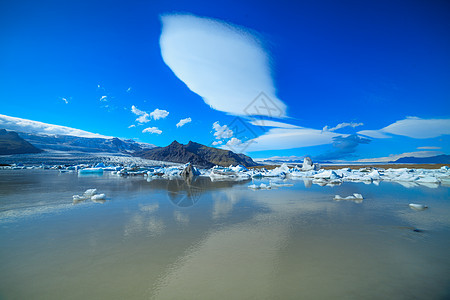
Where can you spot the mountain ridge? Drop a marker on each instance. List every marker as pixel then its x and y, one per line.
pixel 196 154
pixel 438 159
pixel 12 143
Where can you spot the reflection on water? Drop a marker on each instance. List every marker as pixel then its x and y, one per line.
pixel 199 239
pixel 186 193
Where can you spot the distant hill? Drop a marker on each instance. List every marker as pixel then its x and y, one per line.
pixel 438 159
pixel 196 154
pixel 12 143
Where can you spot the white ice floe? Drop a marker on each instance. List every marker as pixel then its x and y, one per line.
pixel 326 174
pixel 308 165
pixel 262 186
pixel 89 194
pixel 418 207
pixel 91 171
pixel 98 197
pixel 358 198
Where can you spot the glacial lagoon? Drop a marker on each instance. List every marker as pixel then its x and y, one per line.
pixel 169 239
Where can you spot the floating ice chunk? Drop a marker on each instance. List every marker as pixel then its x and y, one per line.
pixel 358 198
pixel 264 186
pixel 91 170
pixel 327 174
pixel 274 173
pixel 375 175
pixel 98 197
pixel 189 171
pixel 90 192
pixel 257 174
pixel 307 164
pixel 238 168
pixel 406 177
pixel 428 179
pixel 78 198
pixel 417 207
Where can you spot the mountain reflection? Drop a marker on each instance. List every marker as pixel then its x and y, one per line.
pixel 186 193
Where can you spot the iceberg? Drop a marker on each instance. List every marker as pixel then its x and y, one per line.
pixel 98 197
pixel 327 174
pixel 91 171
pixel 89 194
pixel 358 198
pixel 417 207
pixel 262 186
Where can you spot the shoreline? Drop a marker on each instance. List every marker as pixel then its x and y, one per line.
pixel 359 166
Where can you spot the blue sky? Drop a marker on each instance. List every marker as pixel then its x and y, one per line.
pixel 381 69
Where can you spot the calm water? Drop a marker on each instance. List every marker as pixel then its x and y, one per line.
pixel 170 240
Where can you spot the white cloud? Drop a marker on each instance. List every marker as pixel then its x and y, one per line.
pixel 104 98
pixel 159 114
pixel 222 132
pixel 283 138
pixel 234 142
pixel 429 148
pixel 269 123
pixel 129 89
pixel 215 143
pixel 184 122
pixel 65 100
pixel 394 157
pixel 152 130
pixel 131 126
pixel 137 111
pixel 342 125
pixel 143 116
pixel 29 126
pixel 225 64
pixel 376 134
pixel 413 127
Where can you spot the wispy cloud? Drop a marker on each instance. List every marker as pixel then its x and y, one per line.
pixel 215 143
pixel 152 130
pixel 270 123
pixel 29 126
pixel 131 126
pixel 65 100
pixel 412 127
pixel 159 114
pixel 226 65
pixel 429 148
pixel 222 132
pixel 104 98
pixel 284 138
pixel 183 122
pixel 342 125
pixel 129 89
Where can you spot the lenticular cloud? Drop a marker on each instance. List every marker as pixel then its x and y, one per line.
pixel 226 65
